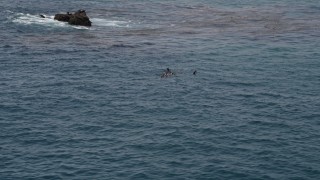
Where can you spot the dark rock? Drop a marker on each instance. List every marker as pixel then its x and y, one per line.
pixel 78 18
pixel 42 16
pixel 62 17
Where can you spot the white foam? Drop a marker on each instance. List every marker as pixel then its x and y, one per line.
pixel 80 27
pixel 109 23
pixel 28 19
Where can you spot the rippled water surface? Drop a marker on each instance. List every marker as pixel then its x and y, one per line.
pixel 89 103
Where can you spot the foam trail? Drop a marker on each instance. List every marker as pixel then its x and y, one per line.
pixel 28 19
pixel 109 23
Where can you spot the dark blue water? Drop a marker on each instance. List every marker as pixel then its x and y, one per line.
pixel 89 103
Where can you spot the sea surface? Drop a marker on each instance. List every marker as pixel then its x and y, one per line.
pixel 90 103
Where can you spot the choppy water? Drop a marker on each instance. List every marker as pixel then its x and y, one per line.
pixel 89 103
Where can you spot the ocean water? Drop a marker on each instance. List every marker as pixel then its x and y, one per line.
pixel 89 103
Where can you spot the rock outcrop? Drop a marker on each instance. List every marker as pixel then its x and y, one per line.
pixel 78 18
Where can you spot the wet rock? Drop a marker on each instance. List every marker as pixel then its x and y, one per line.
pixel 79 18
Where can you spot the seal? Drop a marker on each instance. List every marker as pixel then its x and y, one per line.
pixel 167 73
pixel 42 16
pixel 195 72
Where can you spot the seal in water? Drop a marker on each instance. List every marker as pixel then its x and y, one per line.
pixel 167 73
pixel 42 16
